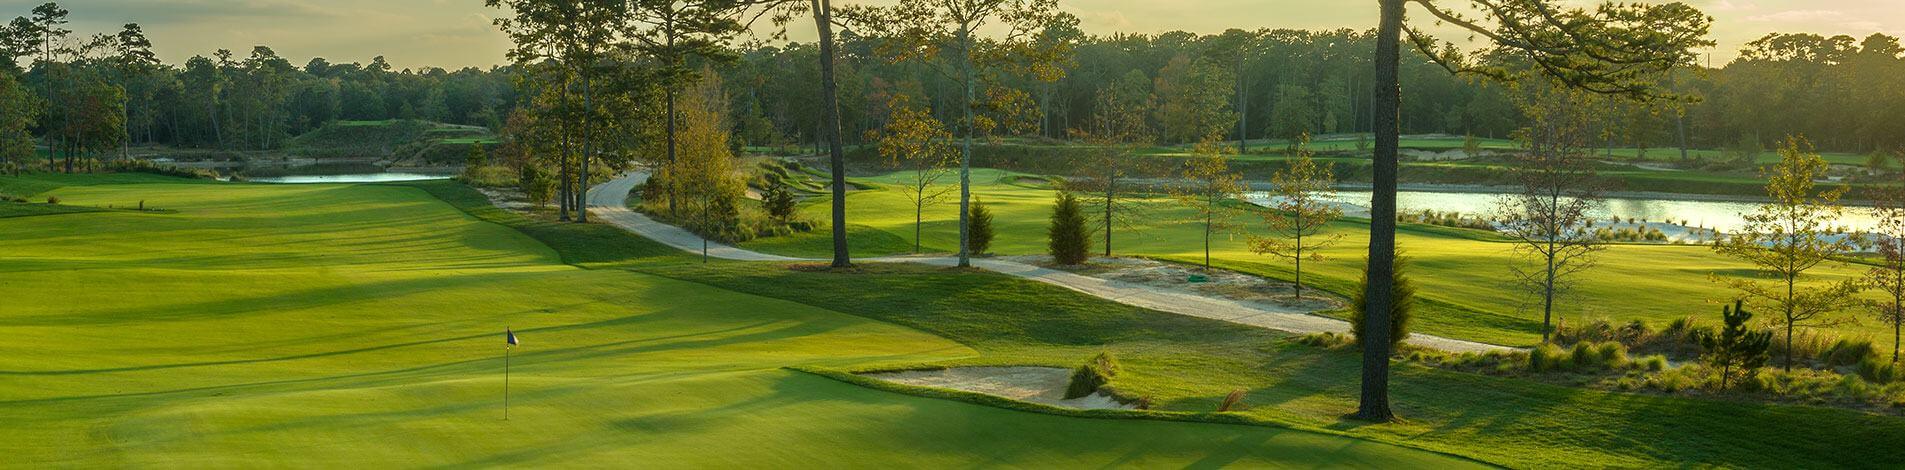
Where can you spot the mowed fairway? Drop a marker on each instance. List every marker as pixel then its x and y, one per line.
pixel 1464 274
pixel 327 325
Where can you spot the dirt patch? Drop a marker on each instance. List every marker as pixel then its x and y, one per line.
pixel 511 199
pixel 1042 385
pixel 1218 283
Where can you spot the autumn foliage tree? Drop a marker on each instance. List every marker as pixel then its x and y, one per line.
pixel 919 145
pixel 1299 212
pixel 1208 184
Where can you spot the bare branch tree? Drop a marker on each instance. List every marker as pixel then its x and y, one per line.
pixel 1551 217
pixel 1300 212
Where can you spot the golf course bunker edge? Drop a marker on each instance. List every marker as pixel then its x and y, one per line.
pixel 1042 385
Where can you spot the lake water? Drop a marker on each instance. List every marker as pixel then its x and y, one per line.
pixel 1725 216
pixel 355 178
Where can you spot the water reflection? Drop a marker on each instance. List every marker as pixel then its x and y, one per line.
pixel 356 178
pixel 1721 215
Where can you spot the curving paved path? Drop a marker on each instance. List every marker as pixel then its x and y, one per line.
pixel 608 202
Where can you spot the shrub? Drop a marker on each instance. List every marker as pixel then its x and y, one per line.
pixel 52 199
pixel 1547 357
pixel 1610 355
pixel 1403 295
pixel 1094 375
pixel 979 228
pixel 1846 352
pixel 1325 340
pixel 1232 402
pixel 536 184
pixel 490 176
pixel 1652 363
pixel 779 203
pixel 1070 240
pixel 1879 371
pixel 1736 348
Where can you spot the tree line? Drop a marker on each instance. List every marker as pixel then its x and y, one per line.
pixel 1281 83
pixel 101 94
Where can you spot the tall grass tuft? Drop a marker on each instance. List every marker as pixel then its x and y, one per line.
pixel 1093 376
pixel 1232 402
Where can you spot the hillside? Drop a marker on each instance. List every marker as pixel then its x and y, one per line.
pixel 391 143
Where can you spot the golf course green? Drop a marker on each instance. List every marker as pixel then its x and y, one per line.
pixel 336 325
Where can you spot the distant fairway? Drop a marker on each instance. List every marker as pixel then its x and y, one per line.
pixel 360 325
pixel 1464 273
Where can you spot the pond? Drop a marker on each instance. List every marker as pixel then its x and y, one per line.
pixel 351 178
pixel 1724 216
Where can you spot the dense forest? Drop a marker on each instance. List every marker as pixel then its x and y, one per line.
pixel 104 92
pixel 99 94
pixel 1834 90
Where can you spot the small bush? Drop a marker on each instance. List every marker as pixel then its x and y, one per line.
pixel 979 228
pixel 1610 355
pixel 1070 240
pixel 1094 375
pixel 1879 371
pixel 1325 340
pixel 1232 402
pixel 1547 357
pixel 1652 363
pixel 52 199
pixel 1403 298
pixel 779 203
pixel 1845 352
pixel 1583 356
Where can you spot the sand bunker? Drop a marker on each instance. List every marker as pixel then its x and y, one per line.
pixel 1219 283
pixel 1043 385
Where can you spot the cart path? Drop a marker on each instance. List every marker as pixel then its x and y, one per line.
pixel 608 202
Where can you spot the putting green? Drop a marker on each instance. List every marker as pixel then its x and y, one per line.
pixel 321 325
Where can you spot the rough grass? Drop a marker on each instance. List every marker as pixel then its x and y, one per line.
pixel 360 325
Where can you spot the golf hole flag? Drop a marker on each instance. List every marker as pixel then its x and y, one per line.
pixel 509 341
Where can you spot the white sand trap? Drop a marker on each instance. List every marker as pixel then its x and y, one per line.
pixel 1042 385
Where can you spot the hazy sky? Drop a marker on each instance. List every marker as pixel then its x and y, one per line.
pixel 455 33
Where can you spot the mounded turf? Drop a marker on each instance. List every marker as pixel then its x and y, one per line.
pixel 321 325
pixel 1462 274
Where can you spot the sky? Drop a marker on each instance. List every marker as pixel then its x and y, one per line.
pixel 459 33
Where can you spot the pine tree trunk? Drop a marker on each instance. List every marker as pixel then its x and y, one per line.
pixel 672 208
pixel 965 151
pixel 1110 190
pixel 588 150
pixel 830 107
pixel 1374 404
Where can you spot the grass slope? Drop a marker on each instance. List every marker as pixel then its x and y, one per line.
pixel 339 325
pixel 1190 364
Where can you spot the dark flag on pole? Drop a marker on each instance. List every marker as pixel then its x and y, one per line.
pixel 509 338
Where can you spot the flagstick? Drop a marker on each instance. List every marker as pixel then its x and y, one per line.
pixel 505 383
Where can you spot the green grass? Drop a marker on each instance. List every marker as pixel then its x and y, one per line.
pixel 354 325
pixel 1462 273
pixel 1188 365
